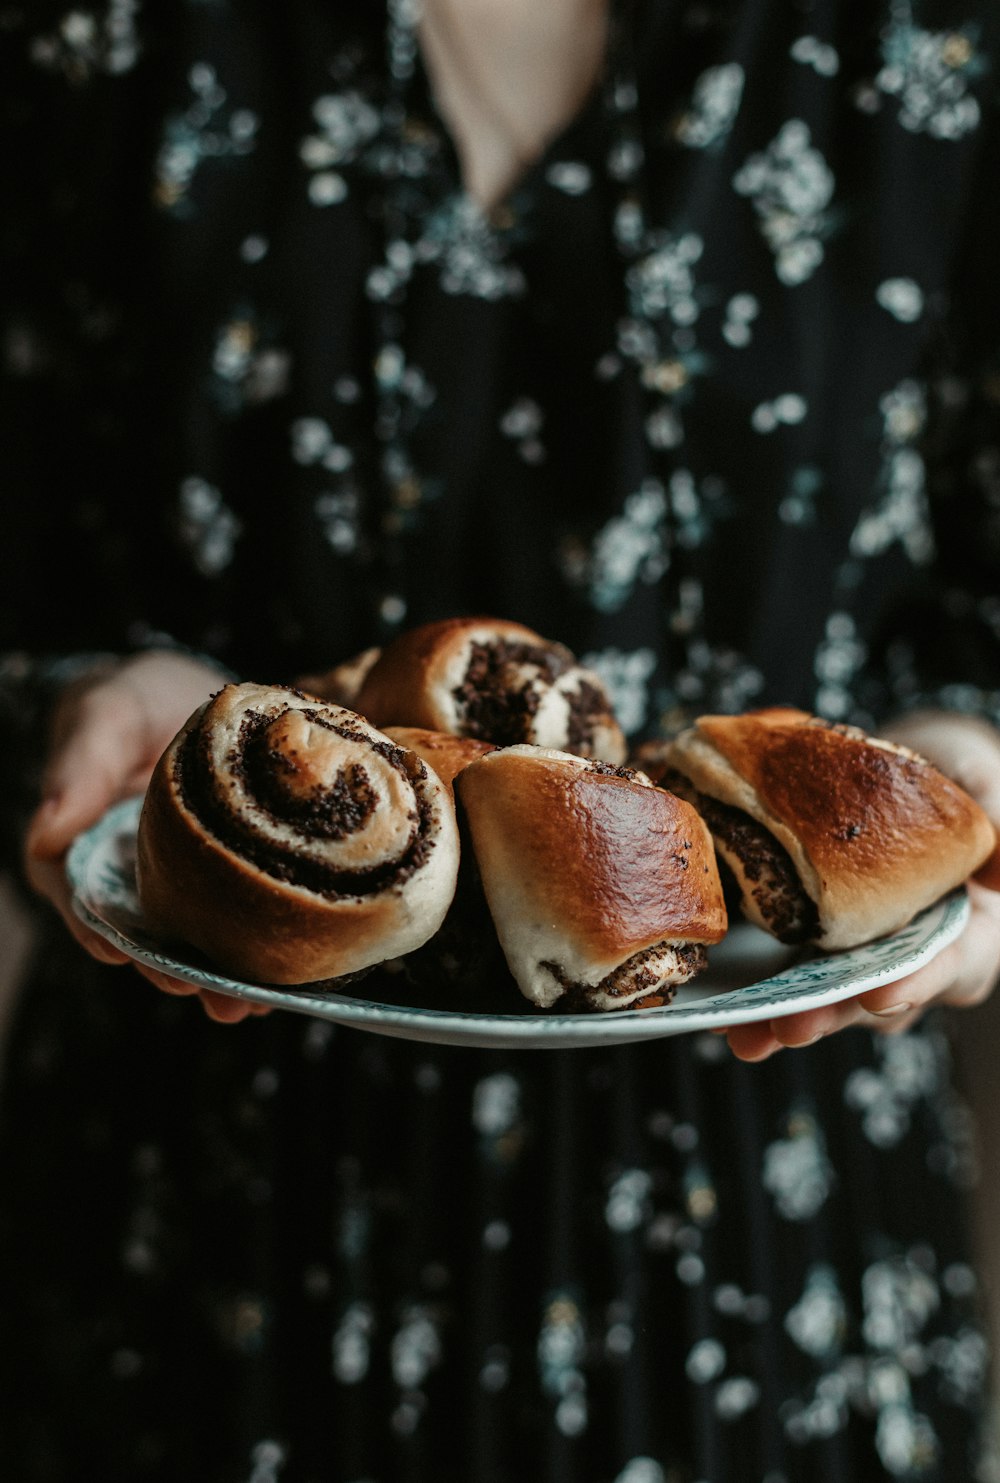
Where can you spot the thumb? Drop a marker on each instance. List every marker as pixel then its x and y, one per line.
pixel 89 771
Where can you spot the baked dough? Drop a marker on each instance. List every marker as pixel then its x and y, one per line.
pixel 873 832
pixel 290 841
pixel 494 681
pixel 603 889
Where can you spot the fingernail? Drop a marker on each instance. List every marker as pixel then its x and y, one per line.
pixel 891 1010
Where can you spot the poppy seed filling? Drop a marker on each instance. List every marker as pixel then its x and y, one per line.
pixel 771 877
pixel 643 972
pixel 492 709
pixel 330 813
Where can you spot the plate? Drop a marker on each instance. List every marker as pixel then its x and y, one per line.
pixel 750 976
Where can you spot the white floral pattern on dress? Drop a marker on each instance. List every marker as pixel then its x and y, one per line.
pixel 714 434
pixel 821 56
pixel 715 102
pixel 82 44
pixel 791 187
pixel 818 1321
pixel 902 513
pixel 561 1353
pixel 929 73
pixel 907 1072
pixel 207 526
pixel 796 1170
pixel 625 675
pixel 902 298
pixel 632 547
pixel 204 131
pixel 346 122
pixel 839 658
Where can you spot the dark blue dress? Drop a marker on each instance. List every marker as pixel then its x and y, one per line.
pixel 712 397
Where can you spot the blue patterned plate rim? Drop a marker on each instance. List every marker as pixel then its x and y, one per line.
pixel 100 870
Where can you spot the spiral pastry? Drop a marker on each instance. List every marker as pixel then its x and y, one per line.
pixel 290 841
pixel 494 681
pixel 603 889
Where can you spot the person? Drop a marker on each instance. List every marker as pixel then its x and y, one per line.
pixel 669 329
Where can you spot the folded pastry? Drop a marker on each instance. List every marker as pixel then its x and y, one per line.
pixel 603 889
pixel 834 837
pixel 342 683
pixel 290 841
pixel 495 681
pixel 444 754
pixel 463 958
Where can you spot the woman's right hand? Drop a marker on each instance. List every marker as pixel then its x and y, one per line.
pixel 109 729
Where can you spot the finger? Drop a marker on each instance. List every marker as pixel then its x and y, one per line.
pixel 792 1031
pixel 891 1002
pixel 988 874
pixel 898 1024
pixel 137 780
pixel 982 967
pixel 41 841
pixel 797 1030
pixel 97 946
pixel 224 1009
pixel 48 879
pixel 87 773
pixel 962 974
pixel 754 1042
pixel 165 983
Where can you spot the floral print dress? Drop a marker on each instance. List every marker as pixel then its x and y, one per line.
pixel 712 396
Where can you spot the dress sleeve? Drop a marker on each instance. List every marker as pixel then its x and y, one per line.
pixel 79 87
pixel 944 650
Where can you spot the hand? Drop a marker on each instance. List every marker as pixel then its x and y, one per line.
pixel 109 729
pixel 966 972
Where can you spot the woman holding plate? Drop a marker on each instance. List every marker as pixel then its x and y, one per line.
pixel 670 330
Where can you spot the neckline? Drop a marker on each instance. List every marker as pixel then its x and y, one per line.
pixel 418 102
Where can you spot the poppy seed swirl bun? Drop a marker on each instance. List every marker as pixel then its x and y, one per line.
pixel 495 681
pixel 834 836
pixel 290 841
pixel 603 889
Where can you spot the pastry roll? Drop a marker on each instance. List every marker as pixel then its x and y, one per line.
pixel 834 837
pixel 290 841
pixel 603 889
pixel 494 681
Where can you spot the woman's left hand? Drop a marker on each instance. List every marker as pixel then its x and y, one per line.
pixel 963 974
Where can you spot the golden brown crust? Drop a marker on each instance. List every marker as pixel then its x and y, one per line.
pixel 308 895
pixel 445 754
pixel 341 684
pixel 427 678
pixel 402 687
pixel 584 868
pixel 875 832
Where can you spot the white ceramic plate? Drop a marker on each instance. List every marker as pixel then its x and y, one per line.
pixel 750 976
